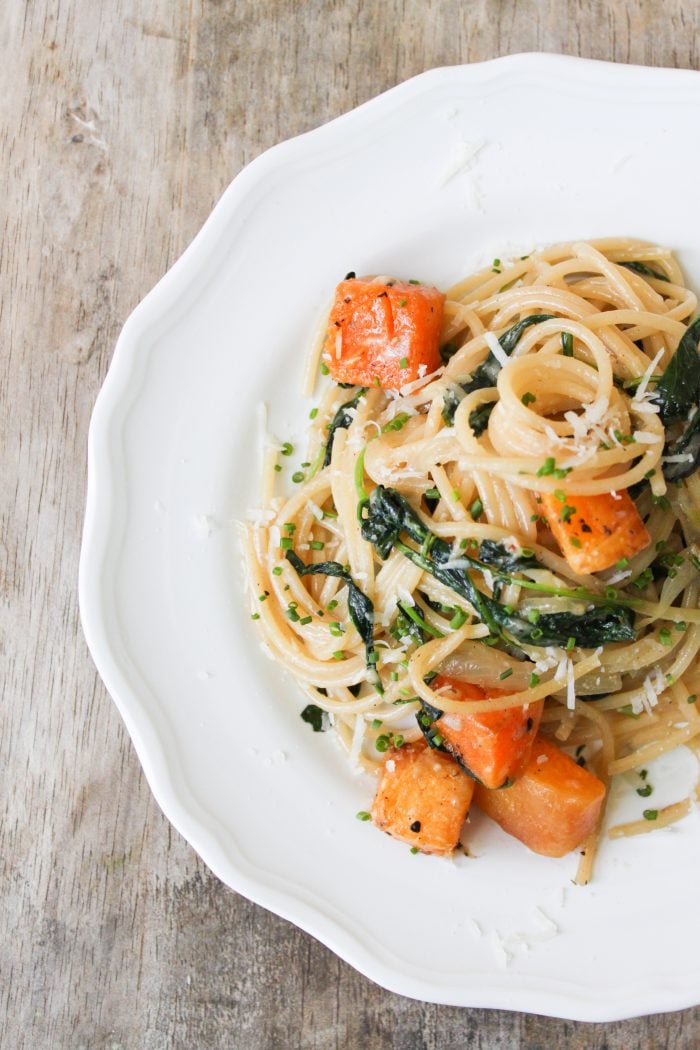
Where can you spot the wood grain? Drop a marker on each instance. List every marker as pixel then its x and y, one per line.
pixel 120 125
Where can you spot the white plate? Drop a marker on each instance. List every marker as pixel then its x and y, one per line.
pixel 437 175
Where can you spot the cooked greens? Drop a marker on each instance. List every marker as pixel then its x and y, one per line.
pixel 341 420
pixel 316 717
pixel 677 394
pixel 644 270
pixel 390 517
pixel 360 607
pixel 486 375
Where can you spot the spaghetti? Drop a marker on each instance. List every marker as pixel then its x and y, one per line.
pixel 434 527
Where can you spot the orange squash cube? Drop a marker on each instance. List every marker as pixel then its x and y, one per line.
pixel 552 807
pixel 493 746
pixel 423 798
pixel 594 532
pixel 383 333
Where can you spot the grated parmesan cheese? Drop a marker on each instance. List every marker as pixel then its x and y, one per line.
pixel 496 349
pixel 408 388
pixel 645 437
pixel 641 389
pixel 570 685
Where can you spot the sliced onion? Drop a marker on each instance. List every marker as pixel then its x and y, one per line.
pixel 479 664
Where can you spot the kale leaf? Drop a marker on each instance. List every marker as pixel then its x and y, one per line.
pixel 341 420
pixel 390 517
pixel 644 270
pixel 688 444
pixel 498 555
pixel 316 717
pixel 360 607
pixel 678 389
pixel 677 394
pixel 486 375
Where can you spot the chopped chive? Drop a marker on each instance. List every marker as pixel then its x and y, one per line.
pixel 547 467
pixel 534 680
pixel 398 740
pixel 363 815
pixel 287 448
pixel 476 509
pixel 650 814
pixel 528 398
pixel 681 625
pixel 505 674
pixel 575 542
pixel 403 362
pixel 397 423
pixel 611 593
pixel 645 791
pixel 286 543
pixel 567 512
pixel 317 545
pixel 278 468
pixel 376 723
pixel 567 344
pixel 297 477
pixel 394 676
pixel 570 643
pixel 264 596
pixel 256 616
pixel 339 654
pixel 289 527
pixel 313 413
pixel 277 571
pixel 382 743
pixel 414 850
pixel 459 618
pixel 560 495
pixel 533 615
pixel 455 495
pixel 304 620
pixel 413 281
pixel 665 636
pixel 324 368
pixel 692 698
pixel 402 302
pixel 622 563
pixel 332 605
pixel 292 614
pixel 561 472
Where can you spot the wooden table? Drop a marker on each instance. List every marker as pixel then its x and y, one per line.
pixel 122 122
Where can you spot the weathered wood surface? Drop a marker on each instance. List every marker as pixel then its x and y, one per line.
pixel 121 123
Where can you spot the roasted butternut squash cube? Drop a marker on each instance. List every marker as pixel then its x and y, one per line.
pixel 385 334
pixel 552 807
pixel 594 532
pixel 492 746
pixel 423 798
